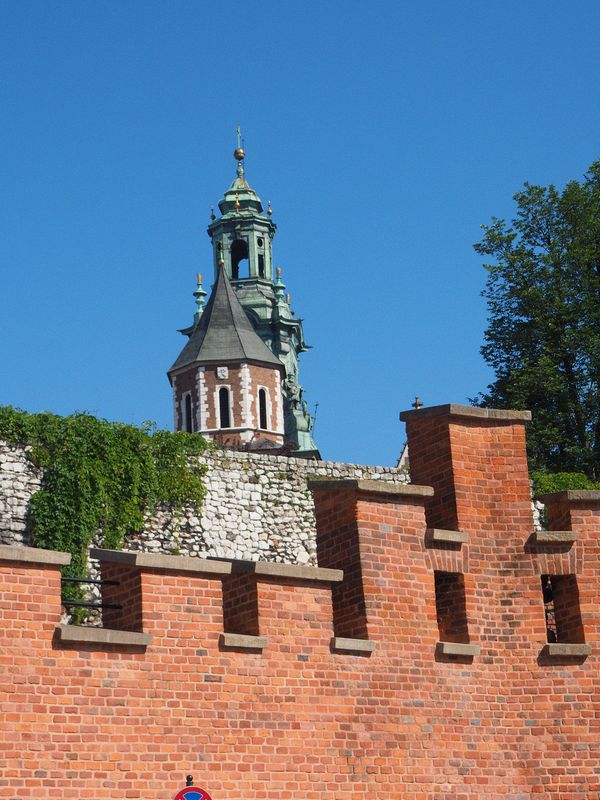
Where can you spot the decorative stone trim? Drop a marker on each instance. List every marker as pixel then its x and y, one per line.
pixel 554 537
pixel 89 635
pixel 572 496
pixel 271 569
pixel 373 487
pixel 33 555
pixel 242 641
pixel 159 561
pixel 567 649
pixel 341 643
pixel 457 410
pixel 453 537
pixel 458 649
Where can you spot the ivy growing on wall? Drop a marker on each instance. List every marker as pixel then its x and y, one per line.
pixel 548 482
pixel 101 475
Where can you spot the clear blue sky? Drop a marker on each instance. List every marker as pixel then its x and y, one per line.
pixel 384 134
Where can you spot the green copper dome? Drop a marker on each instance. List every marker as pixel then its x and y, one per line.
pixel 240 199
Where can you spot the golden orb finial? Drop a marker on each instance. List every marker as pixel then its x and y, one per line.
pixel 212 215
pixel 269 209
pixel 239 153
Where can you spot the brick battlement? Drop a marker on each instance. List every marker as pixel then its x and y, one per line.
pixel 441 649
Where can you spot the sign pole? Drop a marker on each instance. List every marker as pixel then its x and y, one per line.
pixel 192 792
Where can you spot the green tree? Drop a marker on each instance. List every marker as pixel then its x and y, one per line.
pixel 543 337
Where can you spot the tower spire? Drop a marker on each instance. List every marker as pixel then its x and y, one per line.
pixel 242 239
pixel 239 153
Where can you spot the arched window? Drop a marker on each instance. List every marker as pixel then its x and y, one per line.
pixel 262 409
pixel 188 422
pixel 239 252
pixel 224 413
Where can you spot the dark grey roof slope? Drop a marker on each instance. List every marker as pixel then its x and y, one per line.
pixel 224 333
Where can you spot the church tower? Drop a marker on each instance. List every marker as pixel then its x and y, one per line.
pixel 259 311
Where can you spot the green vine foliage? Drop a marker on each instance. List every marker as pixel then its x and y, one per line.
pixel 101 475
pixel 548 482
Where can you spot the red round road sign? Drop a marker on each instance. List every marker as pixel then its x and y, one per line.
pixel 192 793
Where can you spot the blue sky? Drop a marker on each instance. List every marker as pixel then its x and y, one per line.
pixel 384 135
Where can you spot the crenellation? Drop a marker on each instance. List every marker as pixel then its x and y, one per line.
pixel 412 662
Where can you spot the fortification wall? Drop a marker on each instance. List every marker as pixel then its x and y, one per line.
pixel 256 507
pixel 19 480
pixel 423 659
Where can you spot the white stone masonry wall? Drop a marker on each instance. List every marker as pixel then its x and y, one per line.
pixel 19 480
pixel 257 506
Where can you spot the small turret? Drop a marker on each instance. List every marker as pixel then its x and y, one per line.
pixel 227 384
pixel 199 294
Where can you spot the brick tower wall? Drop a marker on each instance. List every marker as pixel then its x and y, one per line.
pixel 243 382
pixel 414 662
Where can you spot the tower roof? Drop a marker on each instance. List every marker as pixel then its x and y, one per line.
pixel 240 199
pixel 224 332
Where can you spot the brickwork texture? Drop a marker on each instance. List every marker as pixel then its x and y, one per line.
pixel 425 673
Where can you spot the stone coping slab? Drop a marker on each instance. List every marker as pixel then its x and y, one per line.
pixel 342 643
pixel 216 566
pixel 243 642
pixel 371 486
pixel 458 649
pixel 276 569
pixel 89 635
pixel 33 555
pixel 440 535
pixel 475 412
pixel 554 537
pixel 159 561
pixel 572 496
pixel 568 649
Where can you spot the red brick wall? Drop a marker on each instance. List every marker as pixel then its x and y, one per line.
pixel 263 376
pixel 299 719
pixel 185 382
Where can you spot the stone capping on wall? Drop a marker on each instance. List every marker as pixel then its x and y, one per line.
pixel 572 496
pixel 346 645
pixel 33 555
pixel 451 537
pixel 301 572
pixel 567 649
pixel 158 561
pixel 373 487
pixel 89 635
pixel 457 410
pixel 458 649
pixel 242 641
pixel 554 537
pixel 267 569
